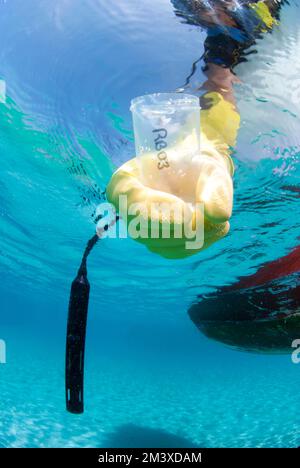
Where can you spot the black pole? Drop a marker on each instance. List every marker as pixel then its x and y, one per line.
pixel 76 332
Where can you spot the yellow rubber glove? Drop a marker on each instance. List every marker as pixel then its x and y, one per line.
pixel 205 180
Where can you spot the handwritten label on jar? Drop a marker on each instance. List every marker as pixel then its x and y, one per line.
pixel 160 146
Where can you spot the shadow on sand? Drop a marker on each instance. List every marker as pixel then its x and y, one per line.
pixel 132 436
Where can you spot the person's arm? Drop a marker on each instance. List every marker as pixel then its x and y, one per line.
pixel 214 168
pixel 230 34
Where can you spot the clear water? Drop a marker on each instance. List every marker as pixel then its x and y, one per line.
pixel 70 69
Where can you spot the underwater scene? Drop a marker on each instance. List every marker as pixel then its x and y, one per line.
pixel 196 350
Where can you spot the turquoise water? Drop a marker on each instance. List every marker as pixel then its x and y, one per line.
pixel 70 69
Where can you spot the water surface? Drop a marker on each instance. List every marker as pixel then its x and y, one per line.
pixel 69 70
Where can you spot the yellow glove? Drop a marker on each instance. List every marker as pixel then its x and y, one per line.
pixel 205 180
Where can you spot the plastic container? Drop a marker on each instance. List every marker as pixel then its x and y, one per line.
pixel 167 136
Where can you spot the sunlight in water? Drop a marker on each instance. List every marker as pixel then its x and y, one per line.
pixel 68 71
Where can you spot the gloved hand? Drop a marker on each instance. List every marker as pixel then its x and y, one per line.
pixel 205 179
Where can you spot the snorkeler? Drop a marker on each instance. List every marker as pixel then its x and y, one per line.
pixel 230 32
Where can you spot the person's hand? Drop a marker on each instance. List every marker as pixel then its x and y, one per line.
pixel 202 195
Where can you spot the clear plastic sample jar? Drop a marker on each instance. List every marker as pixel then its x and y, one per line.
pixel 167 135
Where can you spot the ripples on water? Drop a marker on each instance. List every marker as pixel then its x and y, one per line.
pixel 70 69
pixel 70 72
